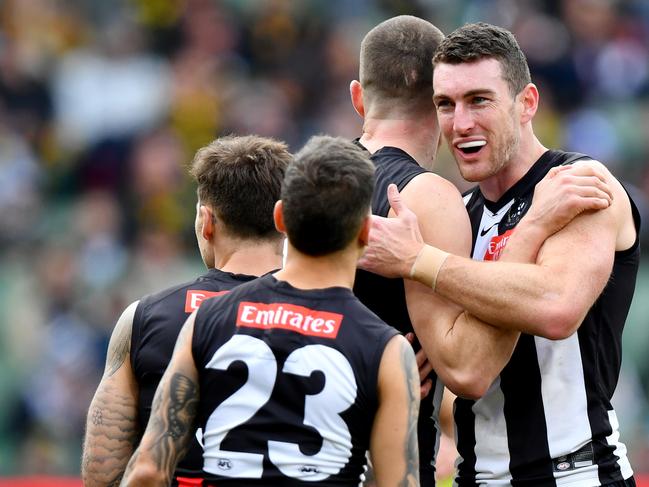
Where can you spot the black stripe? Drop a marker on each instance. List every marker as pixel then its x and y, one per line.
pixel 606 460
pixel 465 431
pixel 527 434
pixel 475 208
pixel 427 435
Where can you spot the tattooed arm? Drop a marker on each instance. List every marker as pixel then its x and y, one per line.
pixel 111 427
pixel 171 425
pixel 393 445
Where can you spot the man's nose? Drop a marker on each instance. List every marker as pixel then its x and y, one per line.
pixel 462 119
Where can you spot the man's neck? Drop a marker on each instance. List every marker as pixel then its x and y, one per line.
pixel 411 136
pixel 252 258
pixel 306 272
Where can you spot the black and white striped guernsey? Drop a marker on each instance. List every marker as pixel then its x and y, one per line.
pixel 387 298
pixel 548 419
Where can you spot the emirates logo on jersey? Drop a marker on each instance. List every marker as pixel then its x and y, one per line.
pixel 195 297
pixel 290 317
pixel 497 245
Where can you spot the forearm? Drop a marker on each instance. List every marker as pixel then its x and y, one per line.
pixel 112 432
pixel 507 295
pixel 143 471
pixel 467 353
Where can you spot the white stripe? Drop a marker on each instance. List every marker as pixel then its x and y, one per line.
pixel 437 405
pixel 488 221
pixel 584 477
pixel 491 447
pixel 620 448
pixel 563 389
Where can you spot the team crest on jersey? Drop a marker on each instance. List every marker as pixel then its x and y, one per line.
pixel 497 245
pixel 516 212
pixel 195 297
pixel 289 317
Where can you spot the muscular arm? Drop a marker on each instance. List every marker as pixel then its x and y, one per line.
pixel 393 444
pixel 550 297
pixel 466 352
pixel 171 425
pixel 111 427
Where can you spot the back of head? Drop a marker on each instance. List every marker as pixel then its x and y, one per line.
pixel 396 61
pixel 474 42
pixel 326 195
pixel 240 178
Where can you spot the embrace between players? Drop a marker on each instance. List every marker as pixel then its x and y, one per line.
pixel 517 294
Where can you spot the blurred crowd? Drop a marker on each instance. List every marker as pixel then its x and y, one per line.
pixel 103 104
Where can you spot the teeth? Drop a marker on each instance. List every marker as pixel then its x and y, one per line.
pixel 473 143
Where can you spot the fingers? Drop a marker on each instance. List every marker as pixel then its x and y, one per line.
pixel 421 358
pixel 588 176
pixel 586 185
pixel 425 388
pixel 396 202
pixel 424 366
pixel 555 170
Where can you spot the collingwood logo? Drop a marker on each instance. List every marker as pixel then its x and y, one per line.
pixel 515 213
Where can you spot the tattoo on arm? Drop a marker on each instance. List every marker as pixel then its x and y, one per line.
pixel 112 432
pixel 119 348
pixel 172 421
pixel 411 450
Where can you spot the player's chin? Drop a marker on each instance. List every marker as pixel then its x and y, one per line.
pixel 472 172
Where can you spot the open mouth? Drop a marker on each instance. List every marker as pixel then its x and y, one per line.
pixel 471 147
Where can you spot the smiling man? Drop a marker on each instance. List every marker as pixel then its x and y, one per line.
pixel 547 419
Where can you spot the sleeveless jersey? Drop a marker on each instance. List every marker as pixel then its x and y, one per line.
pixel 288 384
pixel 387 298
pixel 156 324
pixel 548 420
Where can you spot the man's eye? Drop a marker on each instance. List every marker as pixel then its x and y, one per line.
pixel 479 99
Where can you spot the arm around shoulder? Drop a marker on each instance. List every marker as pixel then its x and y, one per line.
pixel 466 352
pixel 550 296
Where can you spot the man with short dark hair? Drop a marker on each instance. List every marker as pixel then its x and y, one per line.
pixel 290 377
pixel 546 419
pixel 400 131
pixel 238 182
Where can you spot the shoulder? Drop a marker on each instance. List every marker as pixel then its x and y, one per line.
pixel 231 295
pixel 618 221
pixel 620 195
pixel 398 358
pixel 430 191
pixel 125 322
pixel 158 296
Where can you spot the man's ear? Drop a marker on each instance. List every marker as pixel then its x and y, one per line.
pixel 278 216
pixel 364 233
pixel 208 222
pixel 356 93
pixel 530 99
